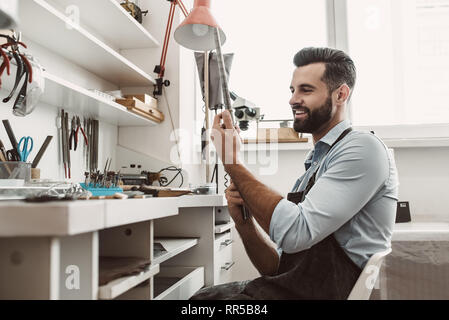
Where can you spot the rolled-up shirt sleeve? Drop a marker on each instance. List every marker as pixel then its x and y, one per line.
pixel 354 173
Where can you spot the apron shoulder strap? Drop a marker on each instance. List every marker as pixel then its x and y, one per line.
pixel 313 178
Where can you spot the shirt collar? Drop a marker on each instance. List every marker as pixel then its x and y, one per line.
pixel 335 133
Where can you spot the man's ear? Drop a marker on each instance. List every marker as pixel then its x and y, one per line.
pixel 343 93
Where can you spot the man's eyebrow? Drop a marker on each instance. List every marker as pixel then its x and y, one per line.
pixel 305 86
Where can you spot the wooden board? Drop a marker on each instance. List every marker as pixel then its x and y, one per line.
pixel 136 104
pixel 284 135
pixel 144 114
pixel 145 98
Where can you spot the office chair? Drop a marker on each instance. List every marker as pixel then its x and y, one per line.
pixel 367 279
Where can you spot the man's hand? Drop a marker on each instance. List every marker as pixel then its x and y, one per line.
pixel 226 138
pixel 235 204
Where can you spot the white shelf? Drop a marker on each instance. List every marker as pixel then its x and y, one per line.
pixel 75 99
pixel 45 25
pixel 178 283
pixel 173 247
pixel 119 286
pixel 220 228
pixel 115 24
pixel 391 143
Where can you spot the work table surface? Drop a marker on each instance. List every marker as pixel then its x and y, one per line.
pixel 18 218
pixel 421 231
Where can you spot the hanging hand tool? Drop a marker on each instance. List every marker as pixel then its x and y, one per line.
pixel 95 125
pixel 41 152
pixel 73 135
pixel 19 108
pixel 66 119
pixel 63 139
pixel 5 64
pixel 78 129
pixel 18 57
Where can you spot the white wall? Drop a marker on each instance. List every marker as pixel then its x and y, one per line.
pixel 153 141
pixel 160 142
pixel 42 122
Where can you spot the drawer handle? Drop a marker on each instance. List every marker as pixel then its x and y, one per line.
pixel 228 266
pixel 227 242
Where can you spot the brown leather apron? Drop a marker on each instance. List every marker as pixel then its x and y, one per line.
pixel 323 271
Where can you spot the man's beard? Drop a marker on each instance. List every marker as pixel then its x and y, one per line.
pixel 314 120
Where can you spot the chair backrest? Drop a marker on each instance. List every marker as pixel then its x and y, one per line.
pixel 367 279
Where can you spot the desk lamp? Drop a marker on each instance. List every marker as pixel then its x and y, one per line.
pixel 200 31
pixel 8 14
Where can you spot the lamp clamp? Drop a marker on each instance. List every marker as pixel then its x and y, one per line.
pixel 158 86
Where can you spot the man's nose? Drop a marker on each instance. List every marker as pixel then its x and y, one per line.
pixel 295 100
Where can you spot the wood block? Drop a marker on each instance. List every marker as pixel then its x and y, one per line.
pixel 145 98
pixel 135 104
pixel 145 115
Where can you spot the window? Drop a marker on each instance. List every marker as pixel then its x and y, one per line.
pixel 265 36
pixel 401 50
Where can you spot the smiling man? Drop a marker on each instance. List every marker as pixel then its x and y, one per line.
pixel 339 213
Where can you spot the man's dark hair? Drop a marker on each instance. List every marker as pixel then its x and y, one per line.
pixel 340 68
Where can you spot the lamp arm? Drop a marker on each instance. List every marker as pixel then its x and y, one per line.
pixel 223 75
pixel 160 69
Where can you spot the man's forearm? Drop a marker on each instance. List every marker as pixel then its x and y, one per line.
pixel 259 199
pixel 263 255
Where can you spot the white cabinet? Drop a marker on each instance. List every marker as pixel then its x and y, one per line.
pixel 151 252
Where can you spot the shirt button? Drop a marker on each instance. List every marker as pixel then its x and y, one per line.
pixel 315 163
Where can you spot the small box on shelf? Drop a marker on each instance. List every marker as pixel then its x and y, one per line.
pixel 149 111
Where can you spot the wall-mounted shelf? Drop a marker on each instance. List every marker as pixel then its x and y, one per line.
pixel 109 20
pixel 47 26
pixel 78 100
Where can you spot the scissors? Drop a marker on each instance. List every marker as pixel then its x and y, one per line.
pixel 23 149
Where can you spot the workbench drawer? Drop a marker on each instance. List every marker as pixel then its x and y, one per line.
pixel 222 241
pixel 178 283
pixel 223 264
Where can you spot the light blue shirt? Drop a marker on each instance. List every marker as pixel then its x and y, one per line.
pixel 354 197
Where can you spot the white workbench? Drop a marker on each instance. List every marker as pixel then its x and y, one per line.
pixel 417 268
pixel 421 231
pixel 42 244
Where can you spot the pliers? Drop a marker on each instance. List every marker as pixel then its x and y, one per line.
pixel 76 127
pixel 79 127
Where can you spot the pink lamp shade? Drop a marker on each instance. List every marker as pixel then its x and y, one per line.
pixel 196 32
